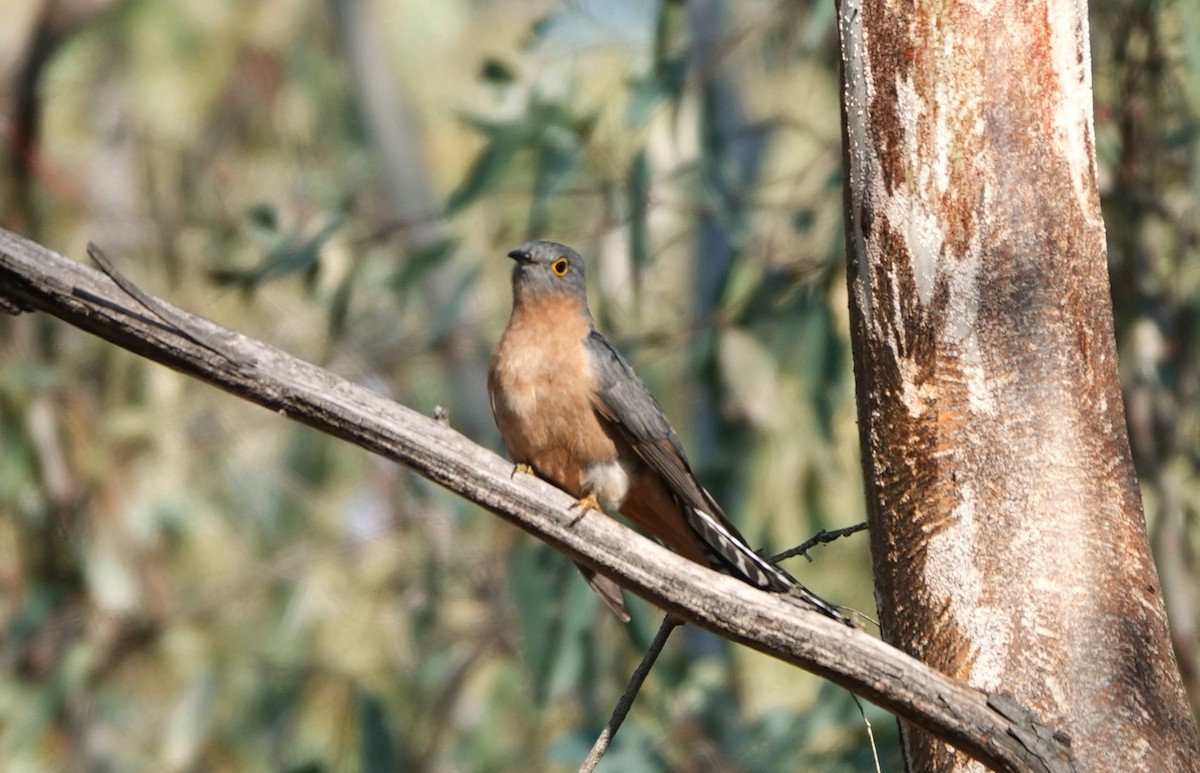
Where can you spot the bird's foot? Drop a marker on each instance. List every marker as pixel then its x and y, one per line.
pixel 522 468
pixel 584 505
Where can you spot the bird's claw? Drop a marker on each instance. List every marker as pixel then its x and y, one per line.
pixel 584 505
pixel 522 468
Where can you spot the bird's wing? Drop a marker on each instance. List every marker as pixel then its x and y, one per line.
pixel 622 400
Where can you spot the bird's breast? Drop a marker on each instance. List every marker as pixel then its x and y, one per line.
pixel 541 383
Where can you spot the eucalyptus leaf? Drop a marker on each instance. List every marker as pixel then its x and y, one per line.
pixel 488 168
pixel 289 256
pixel 376 749
pixel 530 587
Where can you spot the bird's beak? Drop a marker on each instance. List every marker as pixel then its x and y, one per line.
pixel 521 256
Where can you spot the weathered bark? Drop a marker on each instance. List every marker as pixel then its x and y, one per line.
pixel 1008 539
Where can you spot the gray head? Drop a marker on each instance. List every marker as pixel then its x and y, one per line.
pixel 547 269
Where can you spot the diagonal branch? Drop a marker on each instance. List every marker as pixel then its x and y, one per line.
pixel 33 277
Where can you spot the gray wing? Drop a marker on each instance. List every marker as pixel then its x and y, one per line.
pixel 623 401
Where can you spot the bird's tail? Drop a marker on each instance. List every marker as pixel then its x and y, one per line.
pixel 729 554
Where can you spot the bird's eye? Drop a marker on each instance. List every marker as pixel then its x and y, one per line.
pixel 559 267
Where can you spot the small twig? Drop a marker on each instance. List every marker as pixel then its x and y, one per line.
pixel 174 321
pixel 820 538
pixel 669 623
pixel 823 537
pixel 870 732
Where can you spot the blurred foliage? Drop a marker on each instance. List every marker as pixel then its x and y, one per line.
pixel 188 582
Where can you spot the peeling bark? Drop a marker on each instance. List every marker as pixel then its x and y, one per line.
pixel 1008 539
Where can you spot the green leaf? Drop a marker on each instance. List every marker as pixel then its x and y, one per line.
pixel 803 219
pixel 530 584
pixel 339 304
pixel 488 168
pixel 575 637
pixel 376 751
pixel 289 256
pixel 264 216
pixel 418 262
pixel 448 315
pixel 497 72
pixel 558 158
pixel 638 194
pixel 664 83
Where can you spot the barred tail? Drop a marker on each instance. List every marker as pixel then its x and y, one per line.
pixel 728 554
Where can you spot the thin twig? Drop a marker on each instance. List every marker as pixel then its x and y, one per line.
pixel 823 537
pixel 669 623
pixel 808 596
pixel 174 321
pixel 870 732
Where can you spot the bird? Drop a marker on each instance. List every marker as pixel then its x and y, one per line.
pixel 572 411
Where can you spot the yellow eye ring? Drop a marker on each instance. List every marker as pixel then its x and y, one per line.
pixel 559 267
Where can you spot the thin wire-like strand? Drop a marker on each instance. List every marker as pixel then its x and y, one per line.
pixel 669 624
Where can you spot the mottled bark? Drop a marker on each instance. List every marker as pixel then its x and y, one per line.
pixel 1008 539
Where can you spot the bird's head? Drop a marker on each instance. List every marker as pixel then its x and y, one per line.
pixel 547 269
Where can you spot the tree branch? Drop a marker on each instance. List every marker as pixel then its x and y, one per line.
pixel 33 277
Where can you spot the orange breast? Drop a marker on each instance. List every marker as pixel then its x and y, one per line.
pixel 541 383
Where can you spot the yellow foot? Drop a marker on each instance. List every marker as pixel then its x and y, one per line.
pixel 523 468
pixel 587 503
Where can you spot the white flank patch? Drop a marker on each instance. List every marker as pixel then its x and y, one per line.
pixel 610 483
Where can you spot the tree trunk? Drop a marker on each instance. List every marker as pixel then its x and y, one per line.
pixel 1008 539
